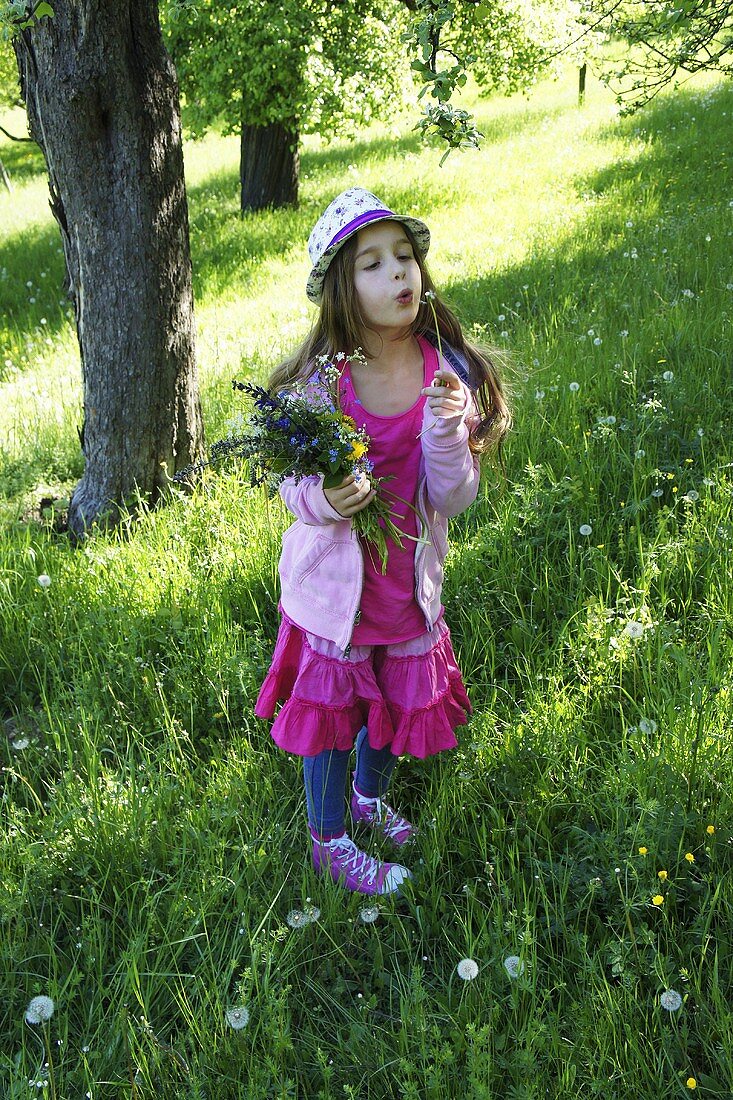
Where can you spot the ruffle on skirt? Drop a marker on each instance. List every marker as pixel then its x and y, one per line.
pixel 411 703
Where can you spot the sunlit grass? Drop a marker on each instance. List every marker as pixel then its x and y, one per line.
pixel 153 836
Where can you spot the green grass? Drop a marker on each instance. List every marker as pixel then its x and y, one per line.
pixel 154 838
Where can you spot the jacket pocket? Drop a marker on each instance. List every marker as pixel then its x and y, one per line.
pixel 311 558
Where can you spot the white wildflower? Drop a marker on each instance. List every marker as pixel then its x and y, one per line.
pixel 514 966
pixel 238 1017
pixel 671 1000
pixel 39 1010
pixel 467 969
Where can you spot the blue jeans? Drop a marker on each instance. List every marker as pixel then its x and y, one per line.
pixel 325 781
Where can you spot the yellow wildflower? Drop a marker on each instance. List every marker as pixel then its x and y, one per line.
pixel 349 421
pixel 710 830
pixel 691 1083
pixel 662 875
pixel 357 451
pixel 643 851
pixel 657 900
pixel 689 857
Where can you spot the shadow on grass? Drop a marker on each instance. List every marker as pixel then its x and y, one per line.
pixel 23 160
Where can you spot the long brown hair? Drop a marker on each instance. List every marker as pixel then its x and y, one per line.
pixel 340 326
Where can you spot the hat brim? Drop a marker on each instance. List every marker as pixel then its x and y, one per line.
pixel 419 230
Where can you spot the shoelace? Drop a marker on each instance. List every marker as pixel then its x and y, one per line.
pixel 383 815
pixel 357 862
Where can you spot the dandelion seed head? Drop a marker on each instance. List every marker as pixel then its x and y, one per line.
pixel 668 376
pixel 238 1017
pixel 369 914
pixel 514 966
pixel 671 1000
pixel 647 725
pixel 574 387
pixel 467 969
pixel 585 529
pixel 633 629
pixel 296 918
pixel 44 580
pixel 39 1010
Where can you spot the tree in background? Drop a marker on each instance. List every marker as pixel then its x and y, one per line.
pixel 102 103
pixel 273 70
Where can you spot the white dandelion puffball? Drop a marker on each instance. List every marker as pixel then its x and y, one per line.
pixel 647 725
pixel 574 387
pixel 633 629
pixel 467 969
pixel 39 1010
pixel 44 580
pixel 369 914
pixel 311 913
pixel 514 966
pixel 671 1000
pixel 296 918
pixel 668 376
pixel 585 529
pixel 237 1018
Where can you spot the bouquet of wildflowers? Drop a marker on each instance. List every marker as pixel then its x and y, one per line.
pixel 300 432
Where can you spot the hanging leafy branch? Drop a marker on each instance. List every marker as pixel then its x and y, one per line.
pixel 441 119
pixel 664 39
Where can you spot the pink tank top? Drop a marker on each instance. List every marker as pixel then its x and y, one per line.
pixel 389 610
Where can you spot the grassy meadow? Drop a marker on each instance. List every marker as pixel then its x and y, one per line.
pixel 154 840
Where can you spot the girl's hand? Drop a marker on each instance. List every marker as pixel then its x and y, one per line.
pixel 353 494
pixel 445 396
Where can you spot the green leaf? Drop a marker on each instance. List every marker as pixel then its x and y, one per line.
pixel 44 11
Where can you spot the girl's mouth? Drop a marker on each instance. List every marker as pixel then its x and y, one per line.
pixel 405 298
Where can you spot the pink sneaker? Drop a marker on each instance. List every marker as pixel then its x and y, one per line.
pixel 354 869
pixel 376 814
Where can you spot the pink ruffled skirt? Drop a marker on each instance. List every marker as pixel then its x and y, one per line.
pixel 410 696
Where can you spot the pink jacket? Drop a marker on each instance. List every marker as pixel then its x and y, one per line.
pixel 321 564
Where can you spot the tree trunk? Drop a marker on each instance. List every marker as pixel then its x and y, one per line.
pixel 269 166
pixel 102 102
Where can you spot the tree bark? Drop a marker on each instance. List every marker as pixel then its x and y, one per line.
pixel 269 166
pixel 102 101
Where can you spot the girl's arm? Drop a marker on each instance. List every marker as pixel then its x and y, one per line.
pixel 452 471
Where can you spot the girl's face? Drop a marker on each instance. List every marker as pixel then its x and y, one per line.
pixel 386 278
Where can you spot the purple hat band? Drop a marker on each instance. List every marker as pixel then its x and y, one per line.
pixel 363 219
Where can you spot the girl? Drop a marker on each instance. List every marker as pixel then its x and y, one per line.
pixel 361 656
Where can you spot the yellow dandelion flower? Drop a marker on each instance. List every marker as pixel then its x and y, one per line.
pixel 643 851
pixel 691 1083
pixel 357 451
pixel 689 857
pixel 710 830
pixel 662 876
pixel 657 900
pixel 349 421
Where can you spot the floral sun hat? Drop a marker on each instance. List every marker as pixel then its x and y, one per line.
pixel 346 215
